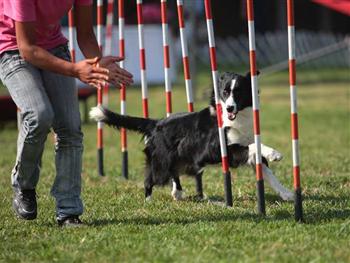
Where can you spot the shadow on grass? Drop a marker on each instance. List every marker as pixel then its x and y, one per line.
pixel 219 199
pixel 311 218
pixel 157 220
pixel 312 215
pixel 328 208
pixel 326 198
pixel 321 213
pixel 317 217
pixel 198 199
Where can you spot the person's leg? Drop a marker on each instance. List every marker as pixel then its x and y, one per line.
pixel 25 85
pixel 62 93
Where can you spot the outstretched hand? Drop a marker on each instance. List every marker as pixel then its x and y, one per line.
pixel 116 75
pixel 87 72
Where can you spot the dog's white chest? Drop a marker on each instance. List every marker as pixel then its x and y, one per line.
pixel 241 129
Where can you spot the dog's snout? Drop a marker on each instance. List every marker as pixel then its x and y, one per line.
pixel 230 108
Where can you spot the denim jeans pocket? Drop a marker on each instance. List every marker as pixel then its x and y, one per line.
pixel 10 62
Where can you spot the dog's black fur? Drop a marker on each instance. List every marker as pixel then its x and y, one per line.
pixel 187 142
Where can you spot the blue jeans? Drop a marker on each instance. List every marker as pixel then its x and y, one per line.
pixel 46 100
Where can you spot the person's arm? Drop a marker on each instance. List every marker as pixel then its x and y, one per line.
pixel 88 45
pixel 85 70
pixel 85 33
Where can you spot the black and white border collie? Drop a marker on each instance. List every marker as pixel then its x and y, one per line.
pixel 185 143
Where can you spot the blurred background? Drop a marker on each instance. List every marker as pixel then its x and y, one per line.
pixel 322 35
pixel 322 38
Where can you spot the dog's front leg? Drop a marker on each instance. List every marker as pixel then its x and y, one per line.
pixel 283 192
pixel 271 155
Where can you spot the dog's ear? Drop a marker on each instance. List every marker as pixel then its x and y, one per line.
pixel 248 74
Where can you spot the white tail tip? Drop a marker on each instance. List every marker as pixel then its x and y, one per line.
pixel 97 114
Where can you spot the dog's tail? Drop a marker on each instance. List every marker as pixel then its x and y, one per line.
pixel 141 125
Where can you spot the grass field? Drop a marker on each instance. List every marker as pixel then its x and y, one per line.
pixel 121 227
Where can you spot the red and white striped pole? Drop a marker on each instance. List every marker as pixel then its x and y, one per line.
pixel 109 28
pixel 166 56
pixel 256 108
pixel 123 134
pixel 294 112
pixel 185 61
pixel 108 44
pixel 144 87
pixel 71 33
pixel 223 146
pixel 99 91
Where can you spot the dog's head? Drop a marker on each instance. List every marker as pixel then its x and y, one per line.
pixel 235 93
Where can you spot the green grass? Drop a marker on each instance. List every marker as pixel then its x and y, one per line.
pixel 121 227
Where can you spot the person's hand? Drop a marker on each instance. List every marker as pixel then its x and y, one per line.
pixel 117 75
pixel 88 72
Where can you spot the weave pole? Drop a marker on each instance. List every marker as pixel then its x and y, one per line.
pixel 99 92
pixel 108 44
pixel 294 112
pixel 256 109
pixel 71 33
pixel 144 88
pixel 124 148
pixel 185 61
pixel 166 56
pixel 109 28
pixel 212 52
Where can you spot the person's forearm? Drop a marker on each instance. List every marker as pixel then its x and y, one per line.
pixel 85 33
pixel 43 59
pixel 88 45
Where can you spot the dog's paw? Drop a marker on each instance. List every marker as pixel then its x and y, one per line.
pixel 148 199
pixel 274 156
pixel 176 194
pixel 287 196
pixel 271 154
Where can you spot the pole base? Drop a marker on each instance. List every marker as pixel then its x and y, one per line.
pixel 298 207
pixel 125 170
pixel 228 189
pixel 100 162
pixel 261 196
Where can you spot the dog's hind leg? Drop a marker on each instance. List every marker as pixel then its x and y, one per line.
pixel 199 184
pixel 148 183
pixel 283 192
pixel 176 192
